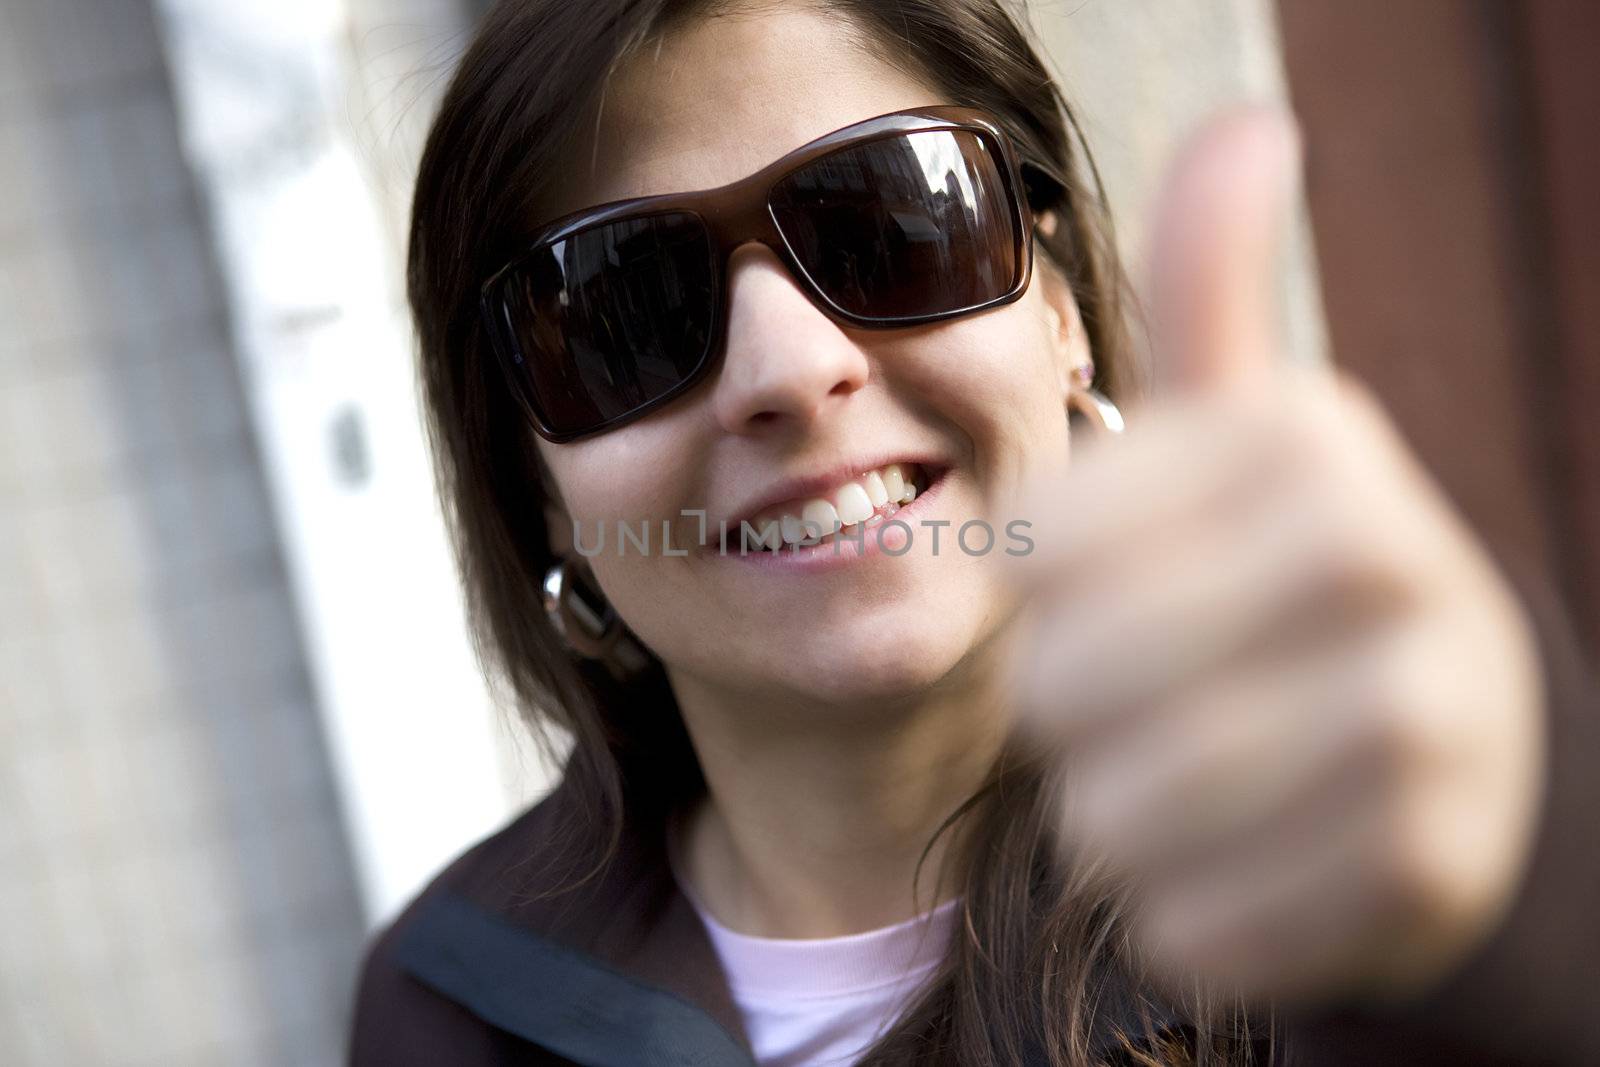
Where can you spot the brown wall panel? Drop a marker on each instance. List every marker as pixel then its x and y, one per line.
pixel 1451 180
pixel 1563 83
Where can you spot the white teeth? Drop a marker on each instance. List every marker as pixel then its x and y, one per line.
pixel 870 498
pixel 894 483
pixel 819 518
pixel 853 504
pixel 877 495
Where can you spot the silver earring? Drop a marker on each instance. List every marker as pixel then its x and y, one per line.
pixel 1093 405
pixel 586 621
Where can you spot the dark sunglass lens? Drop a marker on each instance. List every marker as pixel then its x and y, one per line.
pixel 611 318
pixel 912 225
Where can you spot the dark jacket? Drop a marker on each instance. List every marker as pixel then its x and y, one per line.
pixel 481 969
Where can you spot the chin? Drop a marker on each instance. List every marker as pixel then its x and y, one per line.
pixel 881 660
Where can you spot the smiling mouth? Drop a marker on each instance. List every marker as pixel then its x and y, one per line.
pixel 863 501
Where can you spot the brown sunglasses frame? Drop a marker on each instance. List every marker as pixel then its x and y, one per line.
pixel 740 212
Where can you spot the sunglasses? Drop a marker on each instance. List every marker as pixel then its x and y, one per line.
pixel 903 219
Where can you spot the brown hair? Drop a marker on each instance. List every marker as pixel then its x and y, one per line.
pixel 1038 940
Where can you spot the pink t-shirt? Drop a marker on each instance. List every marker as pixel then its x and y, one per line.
pixel 820 1002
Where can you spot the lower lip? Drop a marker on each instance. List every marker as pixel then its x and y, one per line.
pixel 841 551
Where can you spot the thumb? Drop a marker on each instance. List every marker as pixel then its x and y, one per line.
pixel 1214 246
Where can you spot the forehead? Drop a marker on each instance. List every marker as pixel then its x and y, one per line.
pixel 721 97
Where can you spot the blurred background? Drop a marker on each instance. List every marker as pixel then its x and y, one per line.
pixel 240 717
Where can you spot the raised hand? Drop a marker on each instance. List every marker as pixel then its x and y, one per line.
pixel 1298 707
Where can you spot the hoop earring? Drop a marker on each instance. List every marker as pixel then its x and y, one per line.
pixel 1092 404
pixel 1097 408
pixel 586 621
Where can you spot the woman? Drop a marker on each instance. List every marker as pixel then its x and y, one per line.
pixel 1186 735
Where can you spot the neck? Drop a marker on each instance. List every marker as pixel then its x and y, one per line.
pixel 815 818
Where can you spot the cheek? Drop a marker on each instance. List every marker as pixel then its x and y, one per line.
pixel 634 477
pixel 994 380
pixel 626 475
pixel 1001 360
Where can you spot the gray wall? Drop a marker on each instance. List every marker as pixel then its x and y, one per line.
pixel 1143 75
pixel 174 888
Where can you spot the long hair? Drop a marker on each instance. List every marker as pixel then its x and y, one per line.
pixel 1027 974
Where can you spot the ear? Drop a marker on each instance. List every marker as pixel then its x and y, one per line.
pixel 1069 342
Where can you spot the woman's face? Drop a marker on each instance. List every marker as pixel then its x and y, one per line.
pixel 974 403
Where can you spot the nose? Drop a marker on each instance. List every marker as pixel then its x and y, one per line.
pixel 786 363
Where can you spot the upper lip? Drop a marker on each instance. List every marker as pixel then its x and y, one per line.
pixel 815 484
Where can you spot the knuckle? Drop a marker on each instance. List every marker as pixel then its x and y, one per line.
pixel 1303 435
pixel 1401 729
pixel 1323 429
pixel 1353 392
pixel 1354 403
pixel 1348 562
pixel 1413 884
pixel 1343 558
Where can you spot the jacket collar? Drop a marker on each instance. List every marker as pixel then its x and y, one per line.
pixel 618 973
pixel 597 974
pixel 561 999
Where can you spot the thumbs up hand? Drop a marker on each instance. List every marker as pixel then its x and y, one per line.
pixel 1292 701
